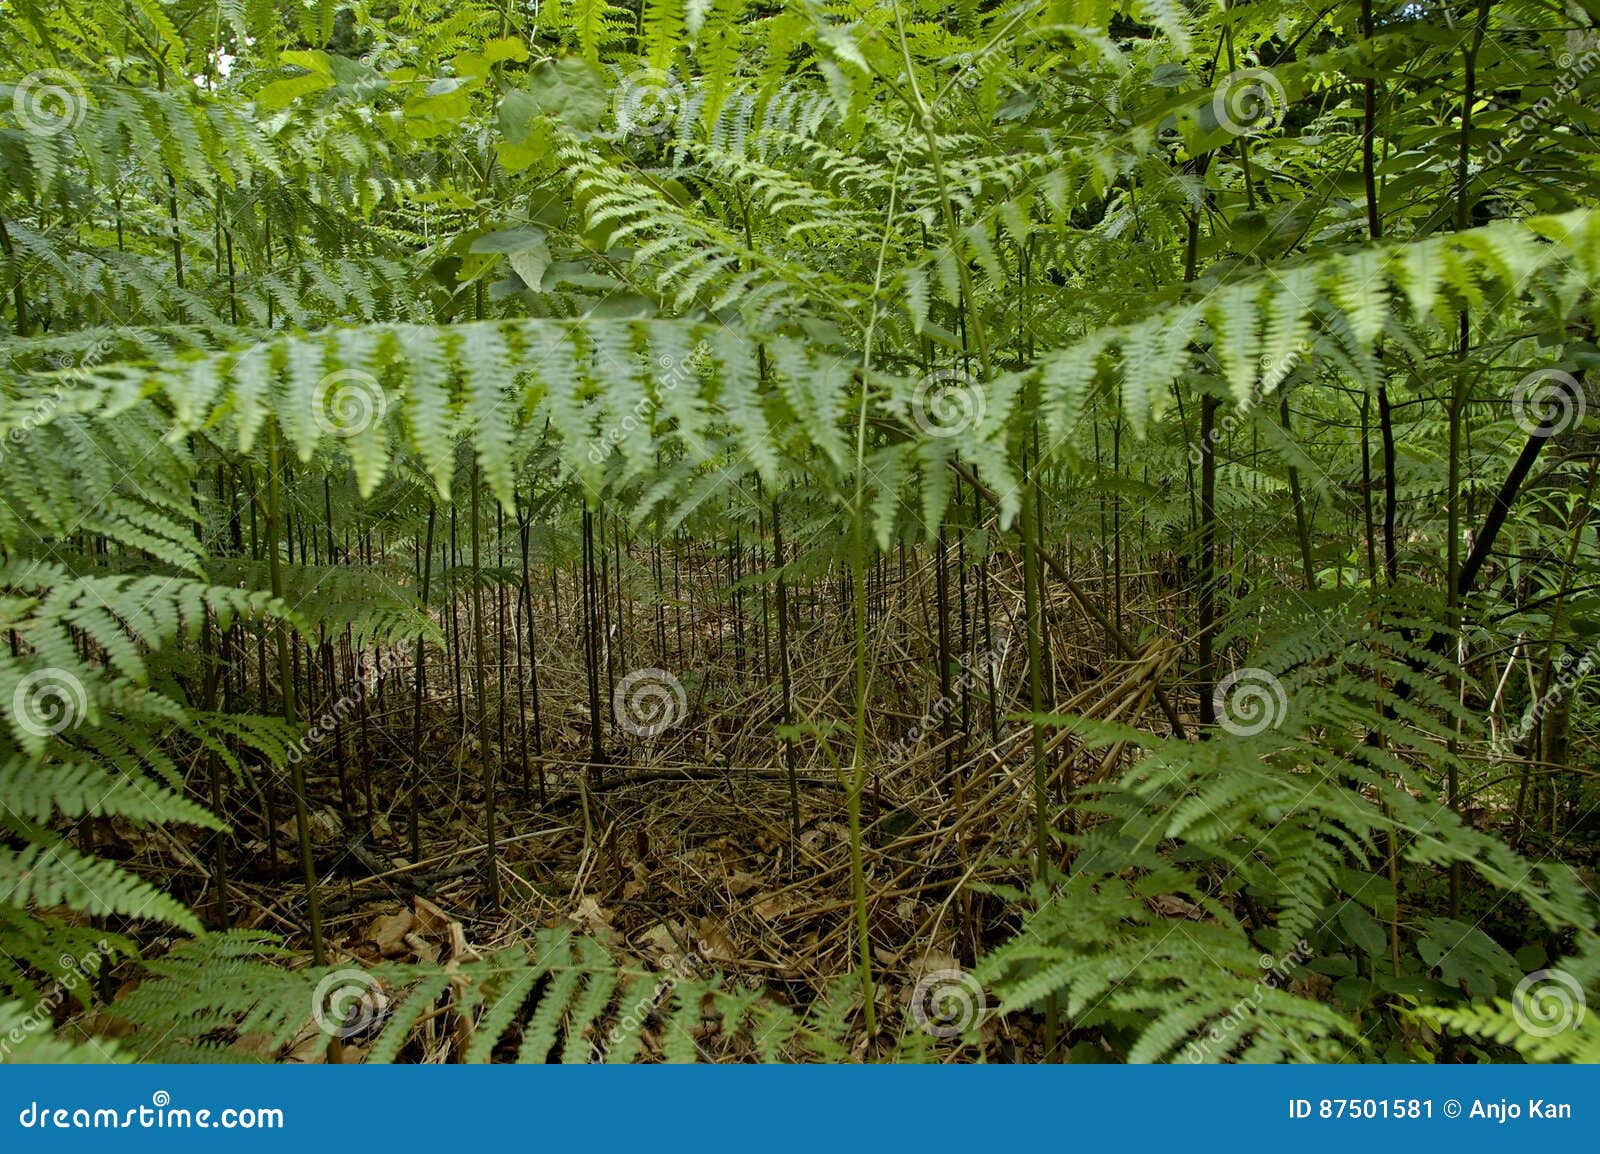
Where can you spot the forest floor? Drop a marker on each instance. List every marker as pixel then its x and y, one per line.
pixel 678 852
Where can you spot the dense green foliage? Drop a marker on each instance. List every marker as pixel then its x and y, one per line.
pixel 1299 298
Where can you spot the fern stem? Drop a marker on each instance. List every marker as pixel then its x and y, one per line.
pixel 491 857
pixel 297 769
pixel 1041 829
pixel 785 706
pixel 591 642
pixel 419 688
pixel 858 783
pixel 1458 400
